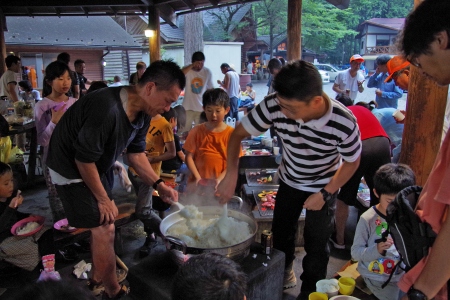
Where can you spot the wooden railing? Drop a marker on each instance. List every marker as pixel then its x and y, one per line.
pixel 391 49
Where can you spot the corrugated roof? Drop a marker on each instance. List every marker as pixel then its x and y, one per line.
pixel 96 32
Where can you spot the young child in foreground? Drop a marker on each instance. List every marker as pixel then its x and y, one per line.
pixel 206 144
pixel 377 258
pixel 19 252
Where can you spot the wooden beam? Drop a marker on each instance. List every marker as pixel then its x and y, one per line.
pixel 425 109
pixel 167 13
pixel 154 41
pixel 294 29
pixel 2 43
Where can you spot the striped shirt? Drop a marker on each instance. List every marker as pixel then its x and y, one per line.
pixel 312 151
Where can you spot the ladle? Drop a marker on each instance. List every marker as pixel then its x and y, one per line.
pixel 223 223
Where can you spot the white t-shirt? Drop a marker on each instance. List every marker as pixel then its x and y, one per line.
pixel 233 88
pixel 197 82
pixel 346 81
pixel 8 77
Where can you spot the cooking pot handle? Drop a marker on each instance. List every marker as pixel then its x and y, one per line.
pixel 237 199
pixel 175 243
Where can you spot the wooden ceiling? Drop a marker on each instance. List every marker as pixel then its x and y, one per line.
pixel 168 9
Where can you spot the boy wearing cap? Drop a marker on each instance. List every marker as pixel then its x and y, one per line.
pixel 387 93
pixel 351 80
pixel 425 43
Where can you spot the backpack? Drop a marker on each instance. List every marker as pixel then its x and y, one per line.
pixel 411 236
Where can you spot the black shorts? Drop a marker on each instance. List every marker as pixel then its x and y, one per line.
pixel 79 204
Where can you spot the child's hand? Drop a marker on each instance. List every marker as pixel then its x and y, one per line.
pixel 16 201
pixel 383 246
pixel 58 111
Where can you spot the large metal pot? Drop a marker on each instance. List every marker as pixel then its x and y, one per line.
pixel 181 252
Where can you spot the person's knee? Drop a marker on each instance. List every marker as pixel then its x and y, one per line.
pixel 103 233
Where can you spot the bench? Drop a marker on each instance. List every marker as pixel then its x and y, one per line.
pixel 126 216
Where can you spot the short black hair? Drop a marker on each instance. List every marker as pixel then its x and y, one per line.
pixel 391 178
pixel 249 84
pixel 55 290
pixel 26 85
pixel 216 97
pixel 383 59
pixel 11 59
pixel 140 65
pixel 181 115
pixel 78 62
pixel 198 56
pixel 225 65
pixel 299 80
pixel 171 113
pixel 96 85
pixel 4 168
pixel 209 276
pixel 421 27
pixel 64 57
pixel 274 64
pixel 344 99
pixel 165 73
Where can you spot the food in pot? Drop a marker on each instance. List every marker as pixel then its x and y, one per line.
pixel 27 228
pixel 205 233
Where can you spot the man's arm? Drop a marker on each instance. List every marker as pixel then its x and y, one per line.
pixel 342 175
pixel 226 188
pixel 76 91
pixel 107 208
pixel 396 94
pixel 187 68
pixel 12 91
pixel 436 272
pixel 225 83
pixel 373 80
pixel 336 84
pixel 140 164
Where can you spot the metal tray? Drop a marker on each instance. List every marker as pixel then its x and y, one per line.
pixel 252 179
pixel 264 212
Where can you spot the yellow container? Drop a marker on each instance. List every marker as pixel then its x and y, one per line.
pixel 318 296
pixel 346 285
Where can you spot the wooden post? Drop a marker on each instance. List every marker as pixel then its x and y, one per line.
pixel 294 30
pixel 425 111
pixel 2 44
pixel 154 41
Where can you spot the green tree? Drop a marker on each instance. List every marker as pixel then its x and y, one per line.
pixel 270 19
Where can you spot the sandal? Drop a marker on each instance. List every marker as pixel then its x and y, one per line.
pixel 124 290
pixel 97 287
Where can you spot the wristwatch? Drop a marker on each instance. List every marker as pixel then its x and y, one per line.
pixel 414 294
pixel 327 196
pixel 155 185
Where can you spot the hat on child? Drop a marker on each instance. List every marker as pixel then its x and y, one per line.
pixel 357 57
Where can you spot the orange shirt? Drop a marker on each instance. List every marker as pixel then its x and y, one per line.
pixel 209 150
pixel 433 208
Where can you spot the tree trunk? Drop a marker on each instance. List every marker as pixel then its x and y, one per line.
pixel 294 43
pixel 193 35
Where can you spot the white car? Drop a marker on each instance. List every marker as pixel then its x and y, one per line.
pixel 325 76
pixel 332 70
